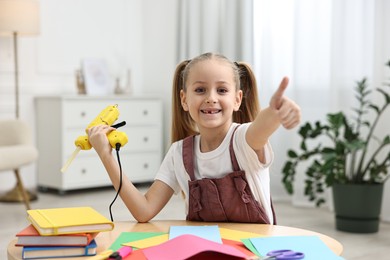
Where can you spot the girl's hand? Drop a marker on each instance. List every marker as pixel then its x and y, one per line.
pixel 97 136
pixel 288 111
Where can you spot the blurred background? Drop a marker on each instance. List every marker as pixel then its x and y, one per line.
pixel 323 46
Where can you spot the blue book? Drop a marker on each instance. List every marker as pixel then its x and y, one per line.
pixel 37 252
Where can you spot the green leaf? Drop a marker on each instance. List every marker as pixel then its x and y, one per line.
pixel 292 154
pixel 366 123
pixel 336 120
pixel 304 130
pixel 386 96
pixel 319 202
pixel 303 146
pixel 355 145
pixel 289 187
pixel 376 108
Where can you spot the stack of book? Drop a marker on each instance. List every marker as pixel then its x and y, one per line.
pixel 62 232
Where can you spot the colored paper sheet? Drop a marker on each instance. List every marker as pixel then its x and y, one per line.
pixel 247 242
pixel 147 242
pixel 207 232
pixel 136 255
pixel 240 246
pixel 236 235
pixel 126 237
pixel 187 246
pixel 311 246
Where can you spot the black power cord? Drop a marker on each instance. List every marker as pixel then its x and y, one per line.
pixel 117 148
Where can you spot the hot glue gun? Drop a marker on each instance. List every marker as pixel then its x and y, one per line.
pixel 106 117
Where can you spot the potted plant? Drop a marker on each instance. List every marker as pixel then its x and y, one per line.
pixel 345 154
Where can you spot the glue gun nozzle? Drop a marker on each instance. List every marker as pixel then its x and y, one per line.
pixel 71 158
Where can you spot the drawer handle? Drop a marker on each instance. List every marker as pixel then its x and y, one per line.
pixel 146 139
pixel 83 171
pixel 146 165
pixel 83 114
pixel 146 112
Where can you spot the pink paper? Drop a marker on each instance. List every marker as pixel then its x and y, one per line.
pixel 186 246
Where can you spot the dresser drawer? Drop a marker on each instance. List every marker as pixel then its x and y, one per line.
pixel 91 172
pixel 85 172
pixel 140 166
pixel 146 112
pixel 77 114
pixel 143 138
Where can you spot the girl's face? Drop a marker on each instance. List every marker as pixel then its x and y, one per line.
pixel 211 95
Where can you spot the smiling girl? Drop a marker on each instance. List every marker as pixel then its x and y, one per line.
pixel 220 154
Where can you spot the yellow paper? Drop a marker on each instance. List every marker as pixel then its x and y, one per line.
pixel 236 235
pixel 147 242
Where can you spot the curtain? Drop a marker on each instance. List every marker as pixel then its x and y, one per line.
pixel 324 46
pixel 221 26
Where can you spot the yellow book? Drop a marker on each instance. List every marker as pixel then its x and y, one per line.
pixel 57 221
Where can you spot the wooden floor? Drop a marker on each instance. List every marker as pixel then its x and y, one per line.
pixel 356 246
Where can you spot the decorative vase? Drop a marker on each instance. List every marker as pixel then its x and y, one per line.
pixel 358 207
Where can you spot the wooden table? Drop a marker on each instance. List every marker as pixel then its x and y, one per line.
pixel 105 239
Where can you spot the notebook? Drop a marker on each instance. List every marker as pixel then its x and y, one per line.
pixel 40 252
pixel 29 236
pixel 58 221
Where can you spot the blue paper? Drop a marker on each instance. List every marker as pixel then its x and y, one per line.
pixel 311 246
pixel 206 232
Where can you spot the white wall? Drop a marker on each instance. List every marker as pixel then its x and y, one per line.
pixel 129 34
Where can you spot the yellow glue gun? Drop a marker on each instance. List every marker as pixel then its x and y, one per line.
pixel 106 117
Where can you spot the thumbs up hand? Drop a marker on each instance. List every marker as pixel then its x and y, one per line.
pixel 288 111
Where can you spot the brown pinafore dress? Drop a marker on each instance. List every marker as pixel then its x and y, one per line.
pixel 226 199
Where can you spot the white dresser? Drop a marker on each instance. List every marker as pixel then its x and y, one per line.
pixel 61 119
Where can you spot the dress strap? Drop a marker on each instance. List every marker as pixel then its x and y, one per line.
pixel 188 156
pixel 233 158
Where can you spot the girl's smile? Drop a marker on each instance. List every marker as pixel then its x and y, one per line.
pixel 210 111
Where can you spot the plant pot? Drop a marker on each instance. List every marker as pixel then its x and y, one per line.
pixel 357 207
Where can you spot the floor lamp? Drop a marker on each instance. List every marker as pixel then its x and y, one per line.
pixel 18 18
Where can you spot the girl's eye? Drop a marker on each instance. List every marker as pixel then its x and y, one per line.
pixel 199 90
pixel 222 90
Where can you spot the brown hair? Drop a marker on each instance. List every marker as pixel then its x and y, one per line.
pixel 182 123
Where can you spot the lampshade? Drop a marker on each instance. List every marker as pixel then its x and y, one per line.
pixel 19 16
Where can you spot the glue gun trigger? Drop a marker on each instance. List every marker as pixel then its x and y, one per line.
pixel 119 124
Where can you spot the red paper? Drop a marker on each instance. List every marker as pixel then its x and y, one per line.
pixel 136 255
pixel 240 246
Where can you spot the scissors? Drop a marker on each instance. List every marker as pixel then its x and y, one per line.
pixel 284 254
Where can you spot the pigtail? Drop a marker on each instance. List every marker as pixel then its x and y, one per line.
pixel 182 123
pixel 250 105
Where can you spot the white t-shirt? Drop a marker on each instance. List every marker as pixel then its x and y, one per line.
pixel 217 164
